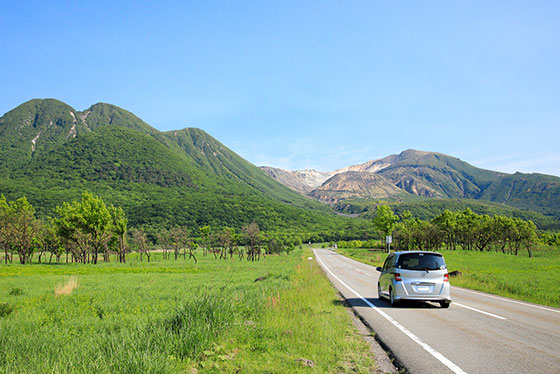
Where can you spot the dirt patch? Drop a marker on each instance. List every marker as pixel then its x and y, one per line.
pixel 66 288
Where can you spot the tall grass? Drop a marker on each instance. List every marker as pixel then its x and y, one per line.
pixel 303 328
pixel 168 317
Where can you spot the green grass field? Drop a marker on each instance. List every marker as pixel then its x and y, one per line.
pixel 535 279
pixel 176 316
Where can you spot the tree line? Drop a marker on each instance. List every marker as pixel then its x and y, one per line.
pixel 451 230
pixel 84 230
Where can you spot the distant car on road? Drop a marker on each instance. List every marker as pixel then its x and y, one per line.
pixel 414 275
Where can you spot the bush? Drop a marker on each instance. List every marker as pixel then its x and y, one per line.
pixel 5 309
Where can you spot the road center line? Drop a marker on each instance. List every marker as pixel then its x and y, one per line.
pixel 479 311
pixel 508 300
pixel 441 358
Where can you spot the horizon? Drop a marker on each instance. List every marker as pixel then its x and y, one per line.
pixel 310 85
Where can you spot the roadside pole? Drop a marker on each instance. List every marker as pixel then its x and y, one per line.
pixel 388 240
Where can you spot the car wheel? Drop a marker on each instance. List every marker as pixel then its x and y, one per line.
pixel 379 294
pixel 445 304
pixel 392 295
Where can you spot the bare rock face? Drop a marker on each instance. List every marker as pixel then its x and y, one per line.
pixel 355 184
pixel 302 181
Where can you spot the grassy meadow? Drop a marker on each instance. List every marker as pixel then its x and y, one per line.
pixel 176 316
pixel 535 279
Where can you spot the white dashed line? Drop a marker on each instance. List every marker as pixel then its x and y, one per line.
pixel 441 358
pixel 509 300
pixel 479 311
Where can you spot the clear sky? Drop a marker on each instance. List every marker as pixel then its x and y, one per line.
pixel 306 84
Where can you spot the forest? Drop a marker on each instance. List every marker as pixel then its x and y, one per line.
pixel 82 230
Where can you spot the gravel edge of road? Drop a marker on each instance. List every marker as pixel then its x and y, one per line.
pixel 385 360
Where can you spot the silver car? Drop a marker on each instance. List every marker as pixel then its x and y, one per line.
pixel 414 275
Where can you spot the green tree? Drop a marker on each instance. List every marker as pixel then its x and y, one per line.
pixel 96 222
pixel 447 224
pixel 252 241
pixel 179 237
pixel 384 220
pixel 140 239
pixel 86 226
pixel 466 225
pixel 206 231
pixel 227 241
pixel 119 222
pixel 24 229
pixel 484 232
pixel 5 228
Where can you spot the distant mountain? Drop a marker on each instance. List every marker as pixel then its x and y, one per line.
pixel 433 175
pixel 355 184
pixel 51 153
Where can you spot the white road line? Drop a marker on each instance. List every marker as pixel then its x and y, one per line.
pixel 508 300
pixel 479 311
pixel 441 358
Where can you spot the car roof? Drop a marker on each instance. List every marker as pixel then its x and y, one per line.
pixel 405 252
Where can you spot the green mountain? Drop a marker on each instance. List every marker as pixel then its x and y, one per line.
pixel 51 153
pixel 432 174
pixel 412 176
pixel 437 175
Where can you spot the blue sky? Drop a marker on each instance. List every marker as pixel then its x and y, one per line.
pixel 306 84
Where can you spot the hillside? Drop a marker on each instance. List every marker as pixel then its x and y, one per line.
pixel 434 175
pixel 161 179
pixel 354 184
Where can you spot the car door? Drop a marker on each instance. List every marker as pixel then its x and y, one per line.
pixel 385 276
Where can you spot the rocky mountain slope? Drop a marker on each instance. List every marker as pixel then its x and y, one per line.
pixel 432 175
pixel 302 181
pixel 355 184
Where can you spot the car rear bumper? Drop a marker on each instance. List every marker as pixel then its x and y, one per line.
pixel 443 293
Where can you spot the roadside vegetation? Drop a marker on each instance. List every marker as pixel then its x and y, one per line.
pixel 452 230
pixel 531 279
pixel 277 315
pixel 88 231
pixel 479 247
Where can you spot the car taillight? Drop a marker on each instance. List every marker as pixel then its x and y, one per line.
pixel 446 277
pixel 398 277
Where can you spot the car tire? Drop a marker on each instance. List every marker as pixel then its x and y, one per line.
pixel 392 300
pixel 445 304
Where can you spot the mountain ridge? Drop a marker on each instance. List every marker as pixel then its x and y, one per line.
pixel 179 177
pixel 436 175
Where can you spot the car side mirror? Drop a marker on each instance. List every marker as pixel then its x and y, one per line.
pixel 379 269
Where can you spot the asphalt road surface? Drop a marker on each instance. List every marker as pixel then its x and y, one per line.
pixel 479 333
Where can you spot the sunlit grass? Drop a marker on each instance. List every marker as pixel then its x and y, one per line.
pixel 175 316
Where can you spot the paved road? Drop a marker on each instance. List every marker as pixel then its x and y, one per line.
pixel 479 333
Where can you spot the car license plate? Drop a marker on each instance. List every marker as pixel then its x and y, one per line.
pixel 423 288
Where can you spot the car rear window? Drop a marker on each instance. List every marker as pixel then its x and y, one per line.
pixel 421 261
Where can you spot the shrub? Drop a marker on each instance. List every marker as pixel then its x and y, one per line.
pixel 5 309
